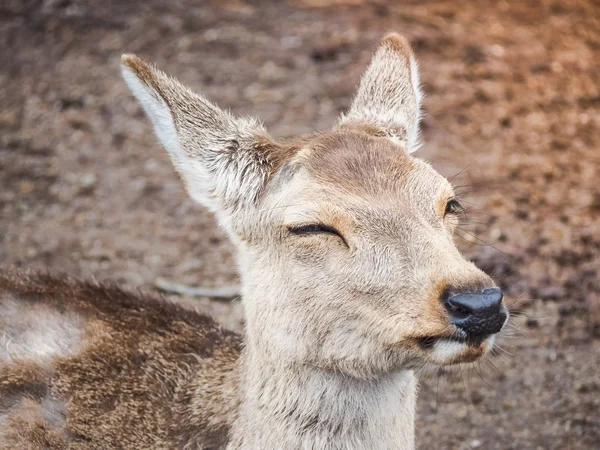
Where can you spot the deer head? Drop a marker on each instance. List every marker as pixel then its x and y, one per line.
pixel 345 240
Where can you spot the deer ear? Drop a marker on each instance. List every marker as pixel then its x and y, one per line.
pixel 388 101
pixel 224 161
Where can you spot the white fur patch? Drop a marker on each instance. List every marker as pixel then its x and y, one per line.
pixel 47 412
pixel 161 117
pixel 37 331
pixel 445 351
pixel 157 111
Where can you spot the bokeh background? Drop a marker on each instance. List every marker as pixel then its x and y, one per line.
pixel 512 116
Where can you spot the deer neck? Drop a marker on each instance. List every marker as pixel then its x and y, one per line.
pixel 298 407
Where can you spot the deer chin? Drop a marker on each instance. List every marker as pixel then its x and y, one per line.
pixel 445 351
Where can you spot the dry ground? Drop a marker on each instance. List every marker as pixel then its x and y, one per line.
pixel 512 107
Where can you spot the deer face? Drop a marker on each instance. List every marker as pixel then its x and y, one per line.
pixel 345 239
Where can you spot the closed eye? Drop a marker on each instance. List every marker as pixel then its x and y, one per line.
pixel 316 228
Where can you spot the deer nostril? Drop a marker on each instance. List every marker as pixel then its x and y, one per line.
pixel 457 310
pixel 477 313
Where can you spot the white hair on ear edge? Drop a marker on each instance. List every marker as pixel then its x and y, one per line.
pixel 224 161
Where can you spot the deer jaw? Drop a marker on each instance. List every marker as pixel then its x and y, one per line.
pixel 344 240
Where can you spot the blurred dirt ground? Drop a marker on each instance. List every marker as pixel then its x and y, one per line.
pixel 512 114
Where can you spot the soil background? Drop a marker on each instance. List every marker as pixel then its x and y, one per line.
pixel 512 115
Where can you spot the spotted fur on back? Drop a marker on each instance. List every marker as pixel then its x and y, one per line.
pixel 142 373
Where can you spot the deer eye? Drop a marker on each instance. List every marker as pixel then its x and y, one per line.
pixel 453 207
pixel 316 228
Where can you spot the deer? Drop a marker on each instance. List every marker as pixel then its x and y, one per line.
pixel 351 283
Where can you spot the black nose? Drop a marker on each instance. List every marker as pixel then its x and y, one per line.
pixel 478 314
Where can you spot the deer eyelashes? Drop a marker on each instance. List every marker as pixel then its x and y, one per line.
pixel 316 228
pixel 454 207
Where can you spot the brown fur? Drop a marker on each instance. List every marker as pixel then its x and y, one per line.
pixel 149 374
pixel 398 44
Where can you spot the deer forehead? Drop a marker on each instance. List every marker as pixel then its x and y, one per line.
pixel 345 176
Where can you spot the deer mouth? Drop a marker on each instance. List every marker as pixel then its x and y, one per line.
pixel 429 342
